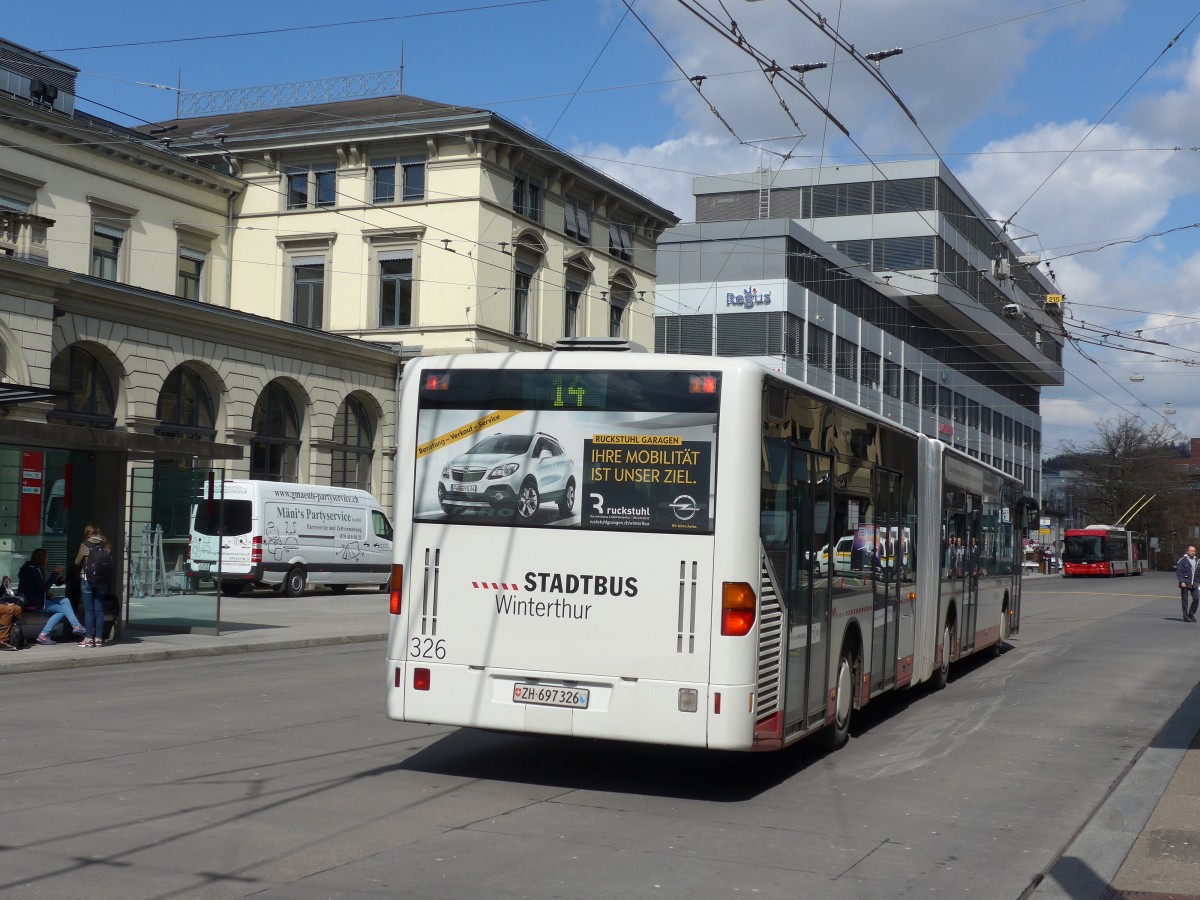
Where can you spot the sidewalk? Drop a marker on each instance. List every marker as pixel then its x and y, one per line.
pixel 1141 843
pixel 249 623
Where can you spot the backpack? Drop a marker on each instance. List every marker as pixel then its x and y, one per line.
pixel 98 567
pixel 16 635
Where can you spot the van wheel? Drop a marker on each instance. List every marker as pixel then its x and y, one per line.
pixel 567 501
pixel 339 588
pixel 232 588
pixel 528 500
pixel 293 582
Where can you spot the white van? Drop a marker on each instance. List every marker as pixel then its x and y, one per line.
pixel 289 536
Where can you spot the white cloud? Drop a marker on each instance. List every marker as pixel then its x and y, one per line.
pixel 970 87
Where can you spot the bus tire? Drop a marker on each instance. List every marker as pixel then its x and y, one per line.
pixel 528 500
pixel 837 732
pixel 941 676
pixel 566 502
pixel 999 646
pixel 293 582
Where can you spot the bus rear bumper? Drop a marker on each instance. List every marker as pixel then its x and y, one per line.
pixel 623 709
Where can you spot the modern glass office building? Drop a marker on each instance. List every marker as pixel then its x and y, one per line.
pixel 888 286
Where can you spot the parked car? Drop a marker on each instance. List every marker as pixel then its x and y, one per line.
pixel 841 556
pixel 517 472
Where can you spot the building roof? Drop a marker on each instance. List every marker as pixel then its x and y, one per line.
pixel 287 122
pixel 373 118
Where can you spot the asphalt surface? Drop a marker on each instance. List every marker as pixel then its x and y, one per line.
pixel 1142 842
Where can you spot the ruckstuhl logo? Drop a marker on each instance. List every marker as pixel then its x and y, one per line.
pixel 748 298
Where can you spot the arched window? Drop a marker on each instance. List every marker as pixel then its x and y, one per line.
pixel 185 406
pixel 528 254
pixel 90 401
pixel 619 299
pixel 353 446
pixel 275 447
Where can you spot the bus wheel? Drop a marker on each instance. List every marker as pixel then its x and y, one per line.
pixel 528 500
pixel 293 582
pixel 941 677
pixel 566 502
pixel 837 732
pixel 999 648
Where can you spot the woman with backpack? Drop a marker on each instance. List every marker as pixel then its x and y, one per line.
pixel 95 557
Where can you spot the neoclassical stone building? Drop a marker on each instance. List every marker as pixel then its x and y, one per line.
pixel 240 297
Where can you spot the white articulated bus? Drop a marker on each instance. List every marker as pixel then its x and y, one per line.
pixel 622 545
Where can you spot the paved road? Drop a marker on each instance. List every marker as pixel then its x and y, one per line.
pixel 276 774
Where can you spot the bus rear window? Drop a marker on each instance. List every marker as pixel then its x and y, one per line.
pixel 236 516
pixel 593 450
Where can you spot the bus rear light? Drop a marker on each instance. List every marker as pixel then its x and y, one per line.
pixel 420 679
pixel 717 703
pixel 702 384
pixel 689 700
pixel 436 381
pixel 256 551
pixel 738 608
pixel 398 675
pixel 394 583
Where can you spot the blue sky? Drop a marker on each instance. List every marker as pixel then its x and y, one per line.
pixel 1002 92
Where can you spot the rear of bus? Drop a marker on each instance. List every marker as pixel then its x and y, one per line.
pixel 555 548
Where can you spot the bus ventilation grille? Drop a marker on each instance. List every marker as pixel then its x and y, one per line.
pixel 685 637
pixel 430 588
pixel 770 647
pixel 604 344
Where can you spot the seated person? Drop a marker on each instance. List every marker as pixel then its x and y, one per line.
pixel 10 610
pixel 35 585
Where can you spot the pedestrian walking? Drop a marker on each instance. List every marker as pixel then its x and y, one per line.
pixel 95 556
pixel 1189 589
pixel 34 584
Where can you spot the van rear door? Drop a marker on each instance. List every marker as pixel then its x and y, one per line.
pixel 221 535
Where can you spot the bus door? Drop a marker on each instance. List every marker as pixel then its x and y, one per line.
pixel 962 560
pixel 885 581
pixel 807 588
pixel 821 607
pixel 972 568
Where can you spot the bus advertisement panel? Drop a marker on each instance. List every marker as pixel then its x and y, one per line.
pixel 571 465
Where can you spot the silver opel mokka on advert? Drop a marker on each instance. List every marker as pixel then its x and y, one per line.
pixel 509 472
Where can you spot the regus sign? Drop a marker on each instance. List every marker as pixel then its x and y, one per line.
pixel 748 298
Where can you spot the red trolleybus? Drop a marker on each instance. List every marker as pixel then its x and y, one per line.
pixel 1103 550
